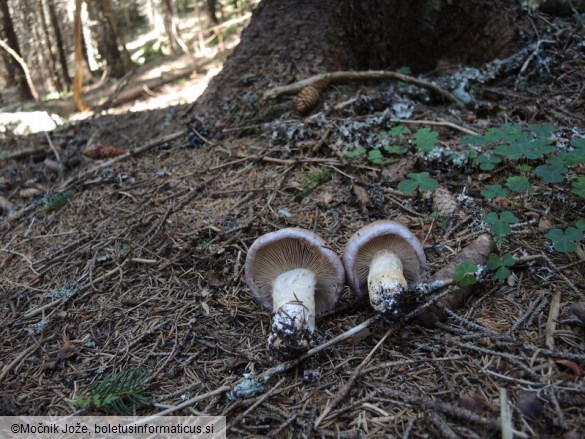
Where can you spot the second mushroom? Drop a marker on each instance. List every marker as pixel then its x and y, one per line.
pixel 294 274
pixel 384 259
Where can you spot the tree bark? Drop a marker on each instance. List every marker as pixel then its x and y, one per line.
pixel 56 25
pixel 14 68
pixel 288 40
pixel 104 32
pixel 49 47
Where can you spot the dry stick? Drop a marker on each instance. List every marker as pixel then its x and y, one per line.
pixel 562 276
pixel 343 336
pixel 25 152
pixel 24 67
pixel 442 123
pixel 263 398
pixel 14 362
pixel 551 323
pixel 354 376
pixel 183 405
pixel 357 76
pixel 505 415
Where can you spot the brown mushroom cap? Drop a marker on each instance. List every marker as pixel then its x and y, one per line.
pixel 377 236
pixel 288 249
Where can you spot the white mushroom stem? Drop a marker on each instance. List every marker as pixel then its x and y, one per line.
pixel 293 299
pixel 385 281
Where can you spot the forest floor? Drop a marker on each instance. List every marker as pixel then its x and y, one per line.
pixel 123 238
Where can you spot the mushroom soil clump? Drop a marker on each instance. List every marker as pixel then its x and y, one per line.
pixel 384 259
pixel 294 274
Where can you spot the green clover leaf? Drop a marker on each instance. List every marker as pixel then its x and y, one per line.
pixel 518 183
pixel 564 241
pixel 492 191
pixel 465 274
pixel 425 139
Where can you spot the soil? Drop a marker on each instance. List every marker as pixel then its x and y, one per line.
pixel 138 266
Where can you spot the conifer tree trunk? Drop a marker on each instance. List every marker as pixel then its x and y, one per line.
pixel 289 40
pixel 56 26
pixel 14 68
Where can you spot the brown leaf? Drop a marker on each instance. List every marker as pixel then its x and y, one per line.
pixel 68 350
pixel 213 279
pixel 574 367
pixel 398 170
pixel 362 195
pixel 501 201
pixel 99 151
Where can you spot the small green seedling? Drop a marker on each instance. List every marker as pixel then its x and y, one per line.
pixel 565 241
pixel 58 201
pixel 375 156
pixel 426 139
pixel 500 224
pixel 500 265
pixel 492 191
pixel 360 150
pixel 118 393
pixel 418 180
pixel 311 182
pixel 465 274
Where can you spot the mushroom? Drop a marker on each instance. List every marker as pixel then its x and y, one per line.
pixel 294 274
pixel 384 259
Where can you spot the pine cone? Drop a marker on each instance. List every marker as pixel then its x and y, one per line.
pixel 309 97
pixel 445 204
pixel 100 151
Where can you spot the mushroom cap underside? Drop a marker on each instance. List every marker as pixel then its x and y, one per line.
pixel 376 237
pixel 288 249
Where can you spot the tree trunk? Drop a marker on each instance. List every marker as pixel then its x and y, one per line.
pixel 56 25
pixel 14 68
pixel 104 32
pixel 49 47
pixel 288 40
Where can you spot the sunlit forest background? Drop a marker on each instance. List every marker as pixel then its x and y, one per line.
pixel 66 55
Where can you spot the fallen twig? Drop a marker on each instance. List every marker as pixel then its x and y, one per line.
pixel 342 76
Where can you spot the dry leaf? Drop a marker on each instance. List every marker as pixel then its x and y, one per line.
pixel 99 151
pixel 574 367
pixel 362 335
pixel 68 350
pixel 213 279
pixel 205 307
pixel 362 195
pixel 399 170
